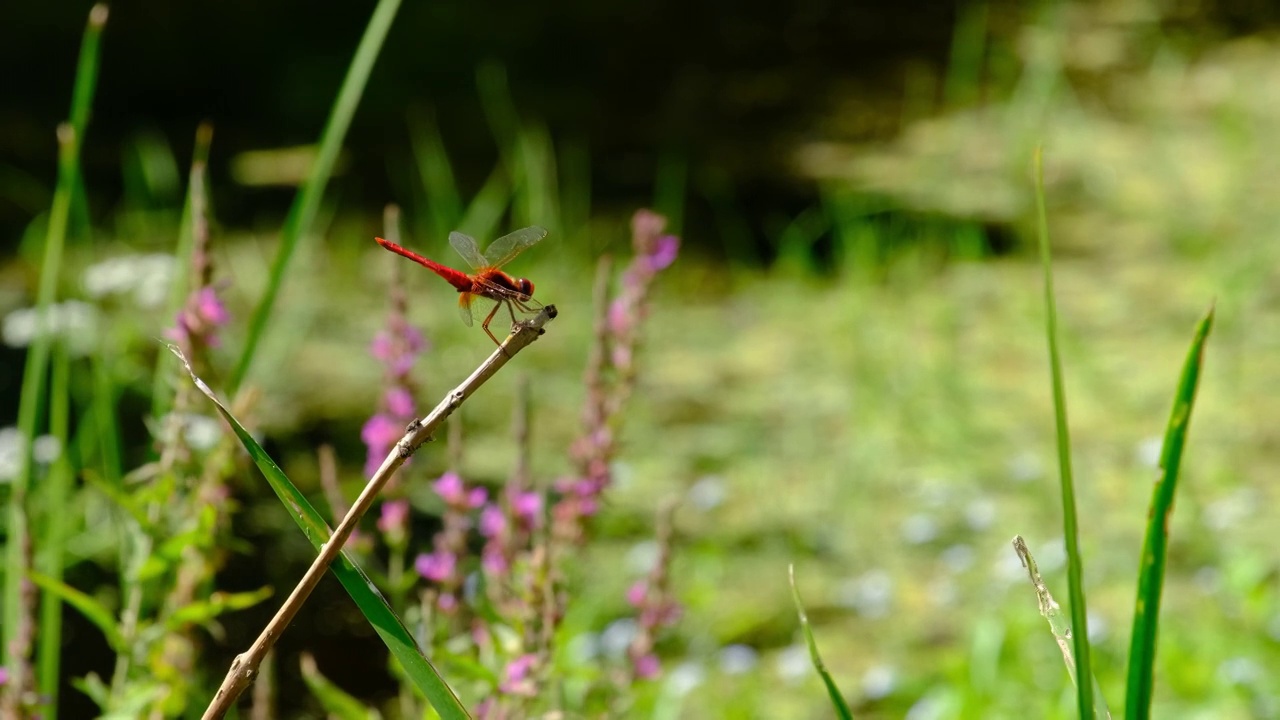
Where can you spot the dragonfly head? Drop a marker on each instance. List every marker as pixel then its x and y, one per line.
pixel 525 286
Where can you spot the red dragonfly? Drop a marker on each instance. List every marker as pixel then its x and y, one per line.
pixel 488 280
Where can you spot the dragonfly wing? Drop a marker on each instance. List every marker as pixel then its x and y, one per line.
pixel 464 307
pixel 466 247
pixel 501 251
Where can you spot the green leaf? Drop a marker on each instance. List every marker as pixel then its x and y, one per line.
pixel 1146 615
pixel 370 602
pixel 335 701
pixel 307 202
pixel 203 611
pixel 94 611
pixel 837 700
pixel 1070 524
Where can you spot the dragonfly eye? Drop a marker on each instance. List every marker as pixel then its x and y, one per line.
pixel 525 286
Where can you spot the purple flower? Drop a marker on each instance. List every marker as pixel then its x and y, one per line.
pixel 477 496
pixel 647 666
pixel 379 433
pixel 527 506
pixel 493 561
pixel 436 567
pixel 492 521
pixel 637 592
pixel 399 402
pixel 447 602
pixel 517 680
pixel 381 348
pixel 210 307
pixel 450 488
pixel 664 253
pixel 394 518
pixel 619 318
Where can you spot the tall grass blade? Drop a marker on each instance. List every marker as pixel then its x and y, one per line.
pixel 307 203
pixel 444 201
pixel 1075 570
pixel 357 584
pixel 56 492
pixel 70 137
pixel 1146 615
pixel 837 700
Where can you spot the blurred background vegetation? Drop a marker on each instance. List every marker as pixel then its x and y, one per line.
pixel 845 369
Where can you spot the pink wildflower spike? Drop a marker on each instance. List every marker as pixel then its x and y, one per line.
pixel 527 506
pixel 648 666
pixel 619 318
pixel 210 307
pixel 517 680
pixel 493 522
pixel 379 434
pixel 447 602
pixel 393 517
pixel 399 402
pixel 664 253
pixel 436 567
pixel 637 592
pixel 381 347
pixel 493 562
pixel 450 489
pixel 476 497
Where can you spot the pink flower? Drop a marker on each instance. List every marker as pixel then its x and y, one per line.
pixel 492 521
pixel 447 602
pixel 210 308
pixel 494 562
pixel 450 488
pixel 518 681
pixel 647 666
pixel 436 567
pixel 619 318
pixel 527 506
pixel 477 496
pixel 637 592
pixel 381 348
pixel 664 253
pixel 399 402
pixel 379 434
pixel 394 518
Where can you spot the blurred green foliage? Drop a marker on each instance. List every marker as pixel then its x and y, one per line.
pixel 872 407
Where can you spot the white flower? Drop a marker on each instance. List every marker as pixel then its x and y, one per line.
pixel 738 659
pixel 46 449
pixel 73 321
pixel 11 446
pixel 147 277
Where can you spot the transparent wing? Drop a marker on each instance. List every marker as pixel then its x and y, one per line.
pixel 501 251
pixel 466 247
pixel 465 301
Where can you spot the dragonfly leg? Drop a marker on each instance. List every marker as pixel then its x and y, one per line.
pixel 489 318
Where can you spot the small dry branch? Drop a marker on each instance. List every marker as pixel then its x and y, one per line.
pixel 245 666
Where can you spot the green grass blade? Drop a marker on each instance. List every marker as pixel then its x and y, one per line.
pixel 307 203
pixel 837 700
pixel 56 491
pixel 1075 571
pixel 444 201
pixel 1146 616
pixel 94 611
pixel 487 207
pixel 70 137
pixel 370 602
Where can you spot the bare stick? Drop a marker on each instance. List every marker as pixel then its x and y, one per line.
pixel 245 666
